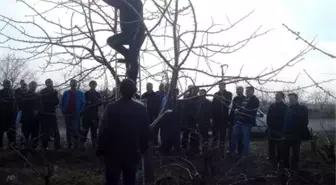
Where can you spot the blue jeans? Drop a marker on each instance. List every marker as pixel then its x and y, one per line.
pixel 72 123
pixel 241 132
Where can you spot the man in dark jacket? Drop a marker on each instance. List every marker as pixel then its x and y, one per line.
pixel 90 117
pixel 236 103
pixel 161 92
pixel 132 33
pixel 245 120
pixel 169 124
pixel 152 102
pixel 123 136
pixel 220 113
pixel 189 113
pixel 22 85
pixel 29 104
pixel 48 116
pixel 295 129
pixel 203 115
pixel 275 122
pixel 7 113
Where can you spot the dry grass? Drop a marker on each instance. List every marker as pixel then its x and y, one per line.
pixel 82 168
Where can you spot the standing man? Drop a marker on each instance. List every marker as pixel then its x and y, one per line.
pixel 203 115
pixel 7 114
pixel 123 136
pixel 29 104
pixel 220 114
pixel 275 122
pixel 132 33
pixel 90 118
pixel 73 102
pixel 245 120
pixel 161 92
pixel 152 103
pixel 236 103
pixel 189 112
pixel 295 129
pixel 48 115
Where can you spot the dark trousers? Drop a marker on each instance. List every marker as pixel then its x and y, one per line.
pixel 195 140
pixel 113 171
pixel 204 132
pixel 30 130
pixel 135 40
pixel 291 146
pixel 219 133
pixel 155 131
pixel 274 149
pixel 49 127
pixel 73 132
pixel 185 137
pixel 7 125
pixel 90 123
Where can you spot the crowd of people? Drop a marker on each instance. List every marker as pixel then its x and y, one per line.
pixel 130 121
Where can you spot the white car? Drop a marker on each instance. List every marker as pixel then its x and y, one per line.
pixel 261 123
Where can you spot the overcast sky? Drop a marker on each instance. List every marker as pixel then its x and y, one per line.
pixel 310 17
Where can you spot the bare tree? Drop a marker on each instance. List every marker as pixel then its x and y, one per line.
pixel 75 43
pixel 15 69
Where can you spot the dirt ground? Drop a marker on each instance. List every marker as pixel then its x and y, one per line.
pixel 83 168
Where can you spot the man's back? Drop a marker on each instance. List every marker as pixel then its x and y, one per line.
pixel 124 130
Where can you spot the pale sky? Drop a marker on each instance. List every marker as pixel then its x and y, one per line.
pixel 310 17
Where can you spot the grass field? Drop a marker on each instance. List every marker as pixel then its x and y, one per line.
pixel 83 168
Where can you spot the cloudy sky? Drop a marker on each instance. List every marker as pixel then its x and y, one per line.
pixel 310 17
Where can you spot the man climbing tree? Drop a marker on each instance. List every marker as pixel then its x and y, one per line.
pixel 132 34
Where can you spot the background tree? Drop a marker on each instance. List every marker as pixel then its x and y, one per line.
pixel 15 69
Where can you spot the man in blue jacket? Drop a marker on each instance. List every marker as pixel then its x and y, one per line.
pixel 73 102
pixel 245 120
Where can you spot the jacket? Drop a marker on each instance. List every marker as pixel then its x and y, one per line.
pixel 7 109
pixel 153 102
pixel 28 102
pixel 220 108
pixel 92 102
pixel 124 131
pixel 203 114
pixel 248 111
pixel 7 101
pixel 236 103
pixel 276 118
pixel 189 105
pixel 49 100
pixel 169 126
pixel 80 101
pixel 296 122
